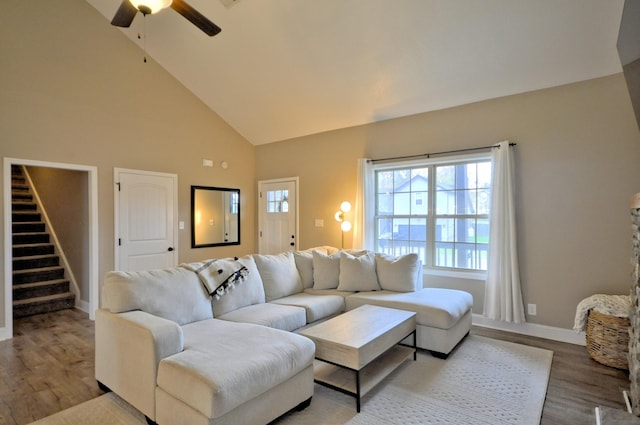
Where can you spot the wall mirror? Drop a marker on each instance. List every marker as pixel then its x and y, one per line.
pixel 215 216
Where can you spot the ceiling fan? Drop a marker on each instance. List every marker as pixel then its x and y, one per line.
pixel 128 9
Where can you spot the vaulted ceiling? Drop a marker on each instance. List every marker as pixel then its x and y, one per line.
pixel 287 68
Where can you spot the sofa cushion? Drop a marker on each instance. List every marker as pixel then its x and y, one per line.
pixel 313 291
pixel 358 273
pixel 175 294
pixel 249 292
pixel 434 307
pixel 326 270
pixel 279 275
pixel 283 317
pixel 214 375
pixel 316 306
pixel 401 274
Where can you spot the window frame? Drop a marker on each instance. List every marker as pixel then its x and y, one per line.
pixel 431 217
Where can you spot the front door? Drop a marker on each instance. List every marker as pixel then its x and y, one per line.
pixel 146 214
pixel 278 215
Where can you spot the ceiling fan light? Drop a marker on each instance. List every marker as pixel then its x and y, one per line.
pixel 151 5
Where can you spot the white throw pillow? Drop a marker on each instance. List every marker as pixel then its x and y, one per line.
pixel 304 263
pixel 356 252
pixel 326 270
pixel 358 273
pixel 249 292
pixel 279 275
pixel 400 274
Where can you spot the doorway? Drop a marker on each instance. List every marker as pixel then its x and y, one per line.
pixel 146 212
pixel 278 215
pixel 91 230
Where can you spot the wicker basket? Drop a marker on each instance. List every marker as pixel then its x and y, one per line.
pixel 608 339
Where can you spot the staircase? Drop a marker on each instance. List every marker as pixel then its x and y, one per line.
pixel 39 284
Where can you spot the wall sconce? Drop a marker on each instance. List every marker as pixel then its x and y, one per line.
pixel 345 225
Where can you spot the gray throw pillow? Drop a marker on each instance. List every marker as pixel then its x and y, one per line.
pixel 358 273
pixel 401 274
pixel 326 270
pixel 279 275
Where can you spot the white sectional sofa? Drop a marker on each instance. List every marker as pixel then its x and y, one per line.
pixel 181 356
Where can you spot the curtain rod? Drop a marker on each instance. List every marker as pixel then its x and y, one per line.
pixel 429 155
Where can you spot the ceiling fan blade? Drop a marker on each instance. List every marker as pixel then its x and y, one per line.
pixel 124 15
pixel 195 17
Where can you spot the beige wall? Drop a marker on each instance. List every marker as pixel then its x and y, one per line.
pixel 578 163
pixel 75 90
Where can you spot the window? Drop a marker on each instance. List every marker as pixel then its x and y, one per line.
pixel 439 210
pixel 234 206
pixel 278 201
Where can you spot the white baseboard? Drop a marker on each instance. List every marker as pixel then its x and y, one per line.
pixel 532 329
pixel 5 333
pixel 82 305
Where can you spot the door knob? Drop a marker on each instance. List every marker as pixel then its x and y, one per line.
pixel 170 249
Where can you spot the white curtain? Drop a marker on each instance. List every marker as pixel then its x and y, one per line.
pixel 503 294
pixel 363 226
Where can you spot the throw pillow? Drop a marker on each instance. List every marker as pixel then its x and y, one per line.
pixel 219 276
pixel 400 274
pixel 356 252
pixel 358 273
pixel 250 292
pixel 279 274
pixel 326 270
pixel 304 264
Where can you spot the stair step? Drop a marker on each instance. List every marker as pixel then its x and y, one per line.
pixel 25 216
pixel 38 280
pixel 28 227
pixel 40 289
pixel 23 206
pixel 20 187
pixel 37 275
pixel 30 238
pixel 36 262
pixel 21 196
pixel 32 249
pixel 46 304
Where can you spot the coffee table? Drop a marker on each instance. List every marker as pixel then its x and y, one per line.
pixel 361 342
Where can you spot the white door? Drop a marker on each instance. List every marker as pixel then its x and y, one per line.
pixel 278 215
pixel 146 214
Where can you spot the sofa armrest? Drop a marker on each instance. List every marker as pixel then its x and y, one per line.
pixel 129 347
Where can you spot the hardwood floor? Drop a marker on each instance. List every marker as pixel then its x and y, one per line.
pixel 48 367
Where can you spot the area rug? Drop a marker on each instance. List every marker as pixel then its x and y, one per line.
pixel 484 381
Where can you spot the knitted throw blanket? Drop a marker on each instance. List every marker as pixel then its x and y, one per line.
pixel 218 276
pixel 612 305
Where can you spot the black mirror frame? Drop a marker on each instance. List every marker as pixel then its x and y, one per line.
pixel 194 189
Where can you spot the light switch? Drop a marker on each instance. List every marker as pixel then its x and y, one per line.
pixel 181 225
pixel 319 222
pixel 207 163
